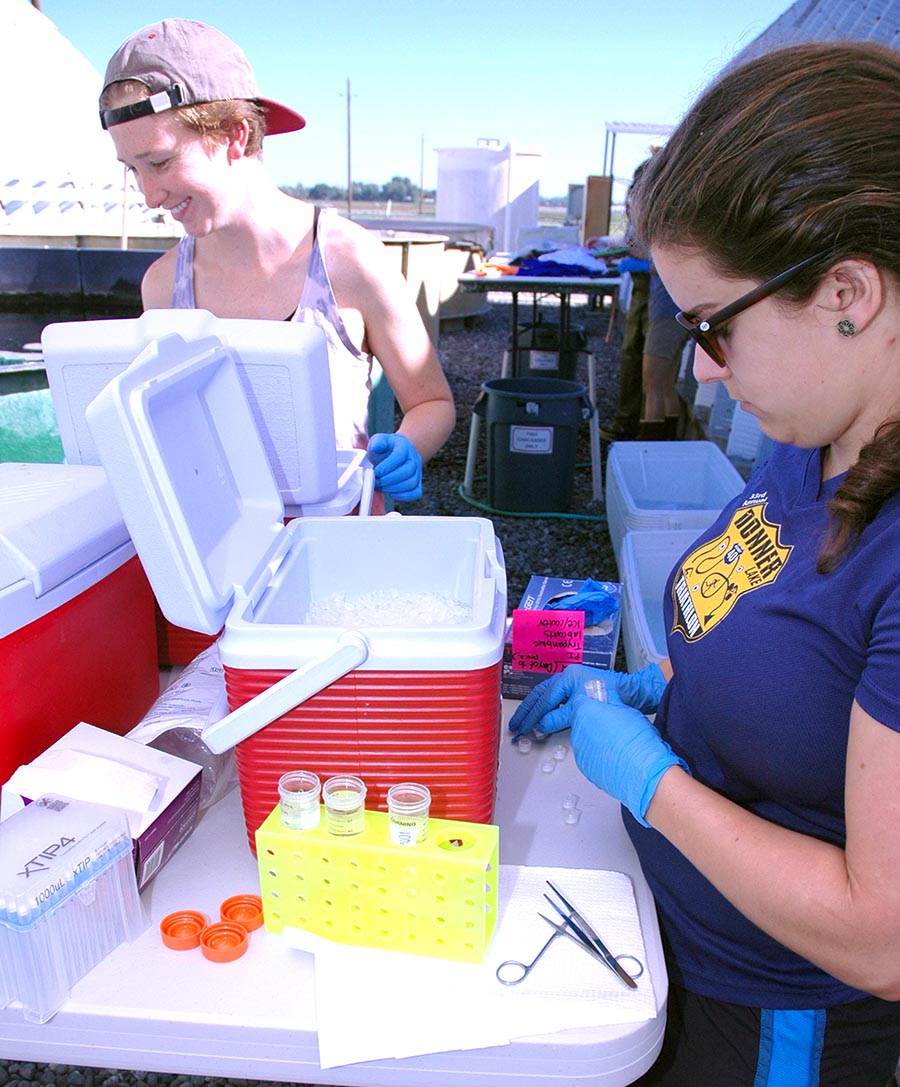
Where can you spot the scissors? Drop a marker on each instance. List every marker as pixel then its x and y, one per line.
pixel 576 928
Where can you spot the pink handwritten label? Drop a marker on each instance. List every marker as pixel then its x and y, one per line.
pixel 546 641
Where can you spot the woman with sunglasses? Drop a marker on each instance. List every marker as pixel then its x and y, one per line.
pixel 764 799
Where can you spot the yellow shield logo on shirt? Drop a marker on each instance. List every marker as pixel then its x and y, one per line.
pixel 716 574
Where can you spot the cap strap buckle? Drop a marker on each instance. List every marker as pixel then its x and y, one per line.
pixel 156 103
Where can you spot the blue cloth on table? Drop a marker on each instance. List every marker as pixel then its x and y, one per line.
pixel 551 268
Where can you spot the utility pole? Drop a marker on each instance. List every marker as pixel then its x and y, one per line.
pixel 349 169
pixel 422 175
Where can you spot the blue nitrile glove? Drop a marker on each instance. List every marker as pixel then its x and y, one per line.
pixel 398 466
pixel 619 750
pixel 595 601
pixel 642 690
pixel 633 264
pixel 535 712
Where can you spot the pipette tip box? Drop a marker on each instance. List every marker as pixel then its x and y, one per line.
pixel 68 897
pixel 437 898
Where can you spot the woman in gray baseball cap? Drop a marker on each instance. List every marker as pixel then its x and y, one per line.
pixel 182 106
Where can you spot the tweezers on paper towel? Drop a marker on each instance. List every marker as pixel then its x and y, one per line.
pixel 372 1005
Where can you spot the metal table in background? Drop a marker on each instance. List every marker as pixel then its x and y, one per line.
pixel 151 1009
pixel 563 288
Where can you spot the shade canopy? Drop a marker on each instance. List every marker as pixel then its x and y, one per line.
pixel 58 169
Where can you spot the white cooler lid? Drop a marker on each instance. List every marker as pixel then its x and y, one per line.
pixel 55 519
pixel 283 366
pixel 179 443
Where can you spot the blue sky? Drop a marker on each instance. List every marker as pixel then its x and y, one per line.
pixel 424 74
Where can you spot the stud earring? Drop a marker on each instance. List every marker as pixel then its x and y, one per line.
pixel 846 328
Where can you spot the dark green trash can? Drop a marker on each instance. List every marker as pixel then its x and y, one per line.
pixel 531 426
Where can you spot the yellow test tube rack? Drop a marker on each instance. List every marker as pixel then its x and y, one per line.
pixel 435 898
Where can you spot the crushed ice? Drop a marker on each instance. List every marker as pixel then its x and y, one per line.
pixel 388 608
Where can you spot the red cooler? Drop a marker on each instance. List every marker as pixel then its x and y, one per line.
pixel 369 645
pixel 77 639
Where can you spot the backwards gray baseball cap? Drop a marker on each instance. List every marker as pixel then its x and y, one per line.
pixel 183 63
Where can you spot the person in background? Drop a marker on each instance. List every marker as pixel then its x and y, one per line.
pixel 648 407
pixel 624 425
pixel 763 799
pixel 181 104
pixel 659 367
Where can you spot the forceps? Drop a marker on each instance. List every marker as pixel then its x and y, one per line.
pixel 577 929
pixel 593 941
pixel 511 972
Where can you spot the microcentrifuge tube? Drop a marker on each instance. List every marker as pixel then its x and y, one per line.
pixel 548 766
pixel 559 752
pixel 596 688
pixel 524 744
pixel 572 816
pixel 570 800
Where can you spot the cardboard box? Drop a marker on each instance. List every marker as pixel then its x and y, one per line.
pixel 159 793
pixel 600 642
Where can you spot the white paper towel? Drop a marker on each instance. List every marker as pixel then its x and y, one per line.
pixel 373 1004
pixel 84 776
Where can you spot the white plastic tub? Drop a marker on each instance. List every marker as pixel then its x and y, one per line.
pixel 666 485
pixel 647 560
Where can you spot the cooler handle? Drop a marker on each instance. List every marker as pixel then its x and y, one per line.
pixel 368 488
pixel 351 651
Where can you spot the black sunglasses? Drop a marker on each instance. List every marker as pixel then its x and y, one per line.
pixel 703 332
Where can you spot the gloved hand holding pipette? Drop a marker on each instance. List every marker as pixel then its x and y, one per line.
pixel 615 746
pixel 642 690
pixel 398 466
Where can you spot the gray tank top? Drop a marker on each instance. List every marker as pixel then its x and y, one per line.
pixel 351 370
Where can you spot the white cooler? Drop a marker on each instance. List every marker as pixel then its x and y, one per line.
pixel 387 701
pixel 284 373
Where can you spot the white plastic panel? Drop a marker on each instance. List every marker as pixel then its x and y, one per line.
pixel 283 370
pixel 55 520
pixel 179 443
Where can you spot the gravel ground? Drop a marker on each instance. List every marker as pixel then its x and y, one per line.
pixel 576 546
pixel 573 545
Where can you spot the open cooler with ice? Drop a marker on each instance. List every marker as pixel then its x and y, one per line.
pixel 363 645
pixel 283 371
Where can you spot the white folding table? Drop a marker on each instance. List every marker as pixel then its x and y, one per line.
pixel 150 1009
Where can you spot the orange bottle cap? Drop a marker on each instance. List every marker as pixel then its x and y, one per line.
pixel 223 941
pixel 181 930
pixel 244 910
